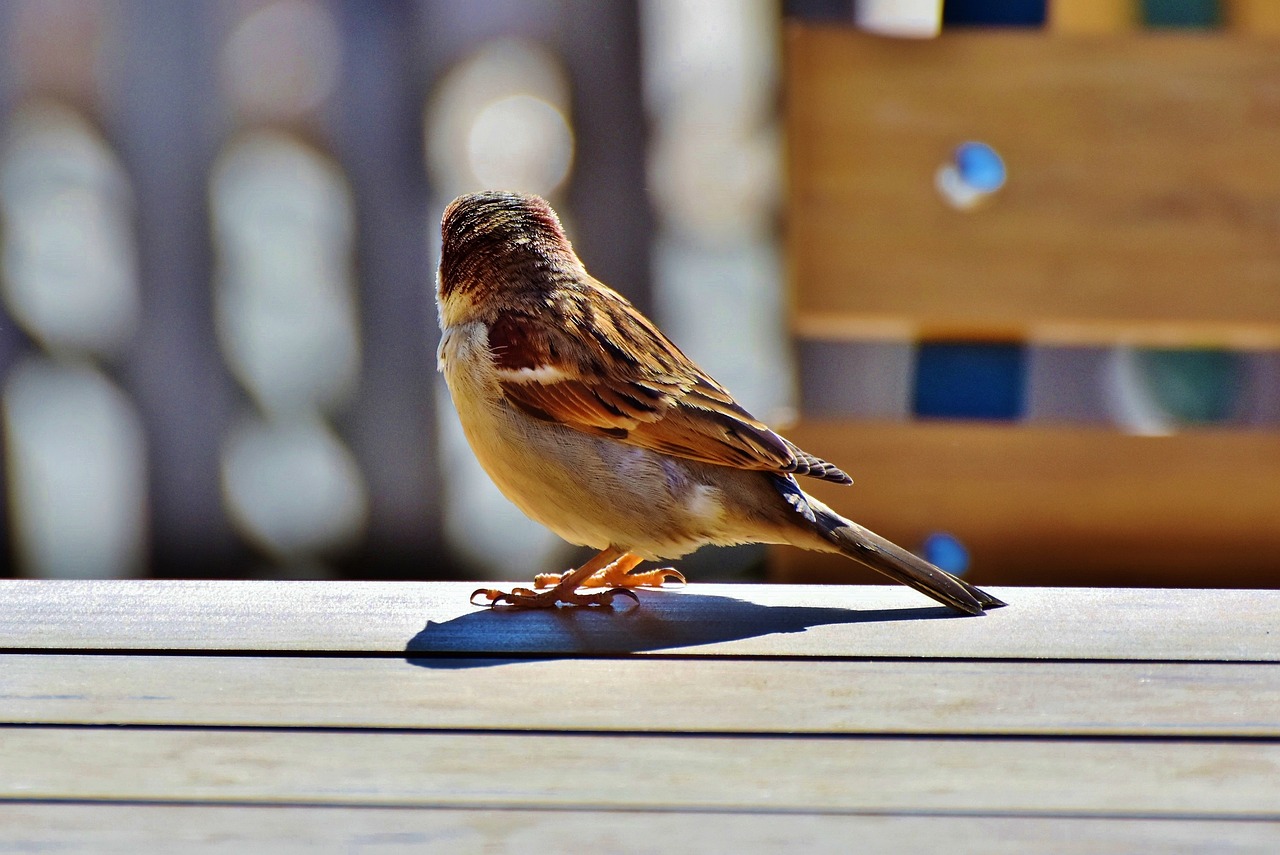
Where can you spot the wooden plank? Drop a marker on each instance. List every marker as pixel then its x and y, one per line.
pixel 705 619
pixel 1141 189
pixel 886 328
pixel 1143 779
pixel 647 696
pixel 211 830
pixel 1053 505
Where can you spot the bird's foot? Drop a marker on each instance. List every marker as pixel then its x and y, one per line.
pixel 618 575
pixel 610 566
pixel 525 598
pixel 649 578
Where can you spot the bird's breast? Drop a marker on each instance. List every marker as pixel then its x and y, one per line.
pixel 593 490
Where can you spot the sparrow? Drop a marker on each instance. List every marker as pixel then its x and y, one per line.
pixel 596 426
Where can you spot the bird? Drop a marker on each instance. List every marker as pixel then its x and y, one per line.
pixel 594 424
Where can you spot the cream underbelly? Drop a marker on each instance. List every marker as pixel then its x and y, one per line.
pixel 594 491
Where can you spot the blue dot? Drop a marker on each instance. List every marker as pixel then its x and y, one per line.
pixel 980 166
pixel 947 552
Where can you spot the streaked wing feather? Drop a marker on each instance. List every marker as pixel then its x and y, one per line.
pixel 663 403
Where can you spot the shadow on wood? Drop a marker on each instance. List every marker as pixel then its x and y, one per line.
pixel 662 621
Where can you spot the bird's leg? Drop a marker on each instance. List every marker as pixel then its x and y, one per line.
pixel 565 590
pixel 618 574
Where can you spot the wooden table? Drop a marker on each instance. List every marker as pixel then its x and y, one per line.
pixel 389 717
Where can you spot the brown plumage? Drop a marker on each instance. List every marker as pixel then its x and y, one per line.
pixel 593 423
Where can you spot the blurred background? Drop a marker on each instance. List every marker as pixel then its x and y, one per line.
pixel 219 227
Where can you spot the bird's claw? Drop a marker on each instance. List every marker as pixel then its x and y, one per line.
pixel 660 577
pixel 494 596
pixel 524 598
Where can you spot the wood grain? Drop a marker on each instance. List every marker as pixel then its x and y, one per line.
pixel 1058 505
pixel 647 696
pixel 814 775
pixel 127 829
pixel 703 620
pixel 1141 203
pixel 278 716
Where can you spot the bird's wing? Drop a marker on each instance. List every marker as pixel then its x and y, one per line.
pixel 600 367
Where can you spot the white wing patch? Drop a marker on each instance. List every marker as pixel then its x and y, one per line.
pixel 536 374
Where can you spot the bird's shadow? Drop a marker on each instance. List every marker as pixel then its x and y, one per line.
pixel 662 621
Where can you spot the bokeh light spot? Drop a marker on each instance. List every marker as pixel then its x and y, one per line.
pixel 520 143
pixel 975 172
pixel 282 59
pixel 946 551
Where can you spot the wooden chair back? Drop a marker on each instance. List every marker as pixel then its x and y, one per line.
pixel 1142 209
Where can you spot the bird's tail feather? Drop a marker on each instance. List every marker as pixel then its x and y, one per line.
pixel 877 553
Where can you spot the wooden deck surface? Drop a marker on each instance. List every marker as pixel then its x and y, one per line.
pixel 393 717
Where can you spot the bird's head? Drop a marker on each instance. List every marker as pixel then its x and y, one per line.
pixel 499 245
